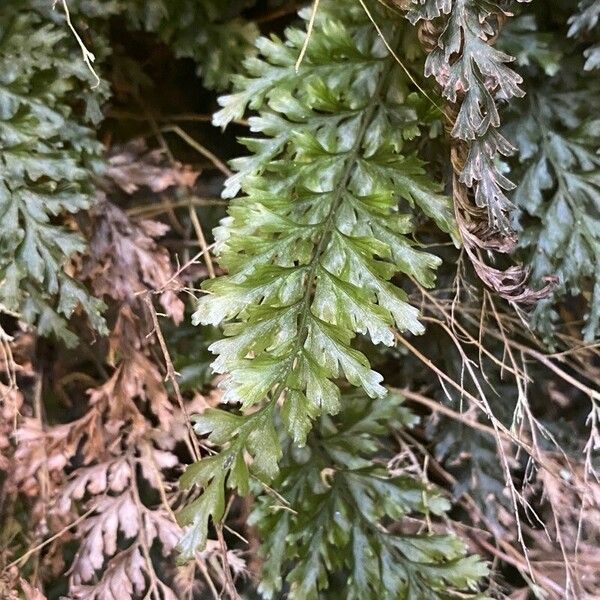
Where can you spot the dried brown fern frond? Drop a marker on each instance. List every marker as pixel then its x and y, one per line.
pixel 133 167
pixel 125 260
pixel 105 481
pixel 571 510
pixel 458 38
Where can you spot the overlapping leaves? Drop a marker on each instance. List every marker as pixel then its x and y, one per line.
pixel 557 133
pixel 210 32
pixel 584 24
pixel 49 155
pixel 312 246
pixel 337 519
pixel 46 158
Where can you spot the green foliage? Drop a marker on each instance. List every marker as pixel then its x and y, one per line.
pixel 191 357
pixel 313 245
pixel 47 156
pixel 321 255
pixel 237 435
pixel 211 32
pixel 584 24
pixel 561 188
pixel 333 536
pixel 530 46
pixel 557 133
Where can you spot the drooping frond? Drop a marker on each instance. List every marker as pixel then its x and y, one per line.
pixel 473 76
pixel 313 244
pixel 47 159
pixel 335 522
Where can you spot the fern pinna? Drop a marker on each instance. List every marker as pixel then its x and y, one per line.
pixel 311 248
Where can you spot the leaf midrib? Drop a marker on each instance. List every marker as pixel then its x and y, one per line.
pixel 328 228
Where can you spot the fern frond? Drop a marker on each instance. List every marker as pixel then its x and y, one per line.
pixel 332 540
pixel 584 23
pixel 210 32
pixel 557 136
pixel 312 247
pixel 473 75
pixel 47 156
pixel 213 34
pixel 556 133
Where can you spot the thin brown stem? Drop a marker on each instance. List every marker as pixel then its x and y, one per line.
pixel 435 406
pixel 213 158
pixel 171 373
pixel 202 241
pixel 229 583
pixel 24 557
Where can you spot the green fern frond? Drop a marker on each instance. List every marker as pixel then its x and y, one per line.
pixel 560 188
pixel 584 23
pixel 210 32
pixel 312 247
pixel 47 159
pixel 556 131
pixel 333 538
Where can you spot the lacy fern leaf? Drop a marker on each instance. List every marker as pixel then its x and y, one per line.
pixel 473 74
pixel 558 136
pixel 47 160
pixel 584 23
pixel 338 501
pixel 312 246
pixel 210 32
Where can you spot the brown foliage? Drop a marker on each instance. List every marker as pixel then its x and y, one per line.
pixel 105 480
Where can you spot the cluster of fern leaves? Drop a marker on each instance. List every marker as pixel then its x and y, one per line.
pixel 256 339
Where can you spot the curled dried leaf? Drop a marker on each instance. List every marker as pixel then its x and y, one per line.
pixel 133 166
pixel 458 36
pixel 125 260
